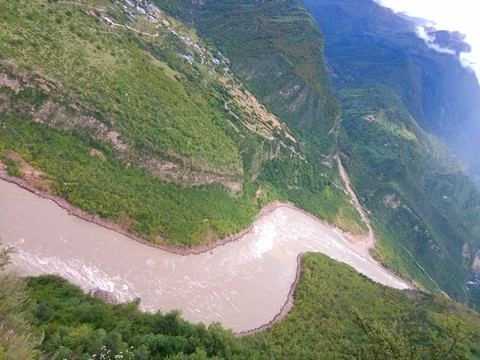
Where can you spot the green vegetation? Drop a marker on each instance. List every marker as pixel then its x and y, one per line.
pixel 16 335
pixel 120 125
pixel 5 256
pixel 77 326
pixel 338 314
pixel 424 207
pixel 13 168
pixel 17 340
pixel 396 95
pixel 113 76
pixel 136 200
pixel 277 50
pixel 123 127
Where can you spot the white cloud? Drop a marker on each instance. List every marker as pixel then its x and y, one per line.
pixel 458 15
pixel 430 41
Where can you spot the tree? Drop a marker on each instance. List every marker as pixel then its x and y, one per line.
pixel 16 338
pixel 5 256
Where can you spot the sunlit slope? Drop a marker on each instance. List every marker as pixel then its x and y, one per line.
pixel 424 207
pixel 125 87
pixel 276 49
pixel 340 314
pixel 337 314
pixel 122 123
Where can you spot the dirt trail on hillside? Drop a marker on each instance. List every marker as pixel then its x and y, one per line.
pixel 360 244
pixel 248 284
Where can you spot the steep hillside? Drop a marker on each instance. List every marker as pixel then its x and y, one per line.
pixel 178 121
pixel 395 95
pixel 424 207
pixel 366 43
pixel 277 49
pixel 355 318
pixel 140 121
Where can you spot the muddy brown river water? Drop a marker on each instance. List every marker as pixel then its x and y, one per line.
pixel 242 284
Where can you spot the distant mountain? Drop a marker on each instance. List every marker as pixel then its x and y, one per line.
pixel 179 121
pixel 366 43
pixel 400 100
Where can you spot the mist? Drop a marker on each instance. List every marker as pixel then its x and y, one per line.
pixel 430 41
pixel 458 15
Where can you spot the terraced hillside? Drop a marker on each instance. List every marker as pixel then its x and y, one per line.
pixel 143 123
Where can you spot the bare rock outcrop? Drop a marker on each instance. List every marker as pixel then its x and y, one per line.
pixel 104 295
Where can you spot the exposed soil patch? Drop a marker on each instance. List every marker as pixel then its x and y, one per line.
pixel 259 117
pixel 360 244
pixel 32 177
pixel 13 84
pixel 76 117
pixel 173 172
pixel 476 263
pixel 370 118
pixel 390 201
pixel 98 154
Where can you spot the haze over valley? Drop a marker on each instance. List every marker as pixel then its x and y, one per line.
pixel 453 16
pixel 238 179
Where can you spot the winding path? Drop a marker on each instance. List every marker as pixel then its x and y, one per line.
pixel 361 244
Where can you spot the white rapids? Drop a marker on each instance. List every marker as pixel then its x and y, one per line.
pixel 242 284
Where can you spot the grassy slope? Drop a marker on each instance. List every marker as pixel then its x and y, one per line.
pixel 438 206
pixel 159 116
pixel 276 49
pixel 164 110
pixel 112 74
pixel 337 314
pixel 424 207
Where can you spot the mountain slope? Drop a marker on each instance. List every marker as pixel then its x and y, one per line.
pixel 146 124
pixel 137 124
pixel 277 49
pixel 367 43
pixel 392 90
pixel 355 318
pixel 394 165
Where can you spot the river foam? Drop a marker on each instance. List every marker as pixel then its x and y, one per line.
pixel 242 284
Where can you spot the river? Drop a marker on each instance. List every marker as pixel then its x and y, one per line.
pixel 242 284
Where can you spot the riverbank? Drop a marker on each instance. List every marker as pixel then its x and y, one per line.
pixel 110 225
pixel 285 309
pixel 271 232
pixel 175 249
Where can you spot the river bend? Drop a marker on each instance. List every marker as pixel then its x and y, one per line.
pixel 242 284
